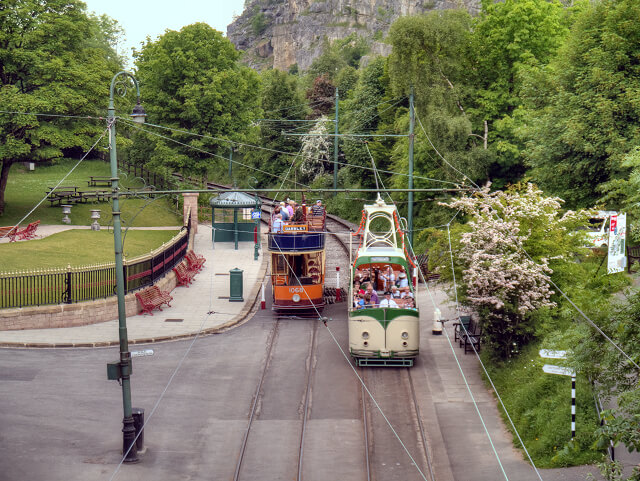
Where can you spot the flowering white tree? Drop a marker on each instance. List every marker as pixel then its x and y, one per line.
pixel 315 149
pixel 501 282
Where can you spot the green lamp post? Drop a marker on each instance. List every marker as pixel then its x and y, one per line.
pixel 121 370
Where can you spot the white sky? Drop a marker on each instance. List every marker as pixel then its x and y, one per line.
pixel 140 18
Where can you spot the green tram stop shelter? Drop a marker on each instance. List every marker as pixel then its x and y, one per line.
pixel 235 216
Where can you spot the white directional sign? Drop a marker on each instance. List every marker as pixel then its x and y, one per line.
pixel 563 371
pixel 549 354
pixel 146 352
pixel 255 214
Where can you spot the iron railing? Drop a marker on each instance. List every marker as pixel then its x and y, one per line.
pixel 77 284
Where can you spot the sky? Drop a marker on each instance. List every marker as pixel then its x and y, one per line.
pixel 140 18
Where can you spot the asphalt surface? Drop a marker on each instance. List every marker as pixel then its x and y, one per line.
pixel 61 417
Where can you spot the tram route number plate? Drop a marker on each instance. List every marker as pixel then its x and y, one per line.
pixel 256 214
pixel 294 228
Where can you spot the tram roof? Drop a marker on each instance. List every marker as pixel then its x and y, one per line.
pixel 234 199
pixel 378 255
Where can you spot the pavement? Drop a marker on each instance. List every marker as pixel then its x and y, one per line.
pixel 203 307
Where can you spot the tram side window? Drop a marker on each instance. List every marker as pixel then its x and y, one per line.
pixel 279 269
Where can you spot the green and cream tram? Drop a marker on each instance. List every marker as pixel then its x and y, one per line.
pixel 384 328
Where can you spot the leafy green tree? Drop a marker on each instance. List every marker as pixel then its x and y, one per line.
pixel 282 100
pixel 54 59
pixel 191 80
pixel 506 36
pixel 582 113
pixel 337 55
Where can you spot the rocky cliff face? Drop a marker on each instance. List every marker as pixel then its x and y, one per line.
pixel 280 33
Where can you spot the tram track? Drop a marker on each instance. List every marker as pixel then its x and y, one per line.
pixel 265 404
pixel 379 443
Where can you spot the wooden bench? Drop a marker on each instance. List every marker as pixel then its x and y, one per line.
pixel 633 256
pixel 153 297
pixel 461 326
pixel 471 338
pixel 184 275
pixel 195 261
pixel 9 231
pixel 96 181
pixel 68 194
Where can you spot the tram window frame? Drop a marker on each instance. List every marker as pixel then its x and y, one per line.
pixel 280 265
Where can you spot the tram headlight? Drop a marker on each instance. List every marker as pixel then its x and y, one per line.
pixel 404 335
pixel 296 298
pixel 365 335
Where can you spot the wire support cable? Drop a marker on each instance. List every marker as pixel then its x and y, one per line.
pixel 60 182
pixel 39 114
pixel 133 124
pixel 266 149
pixel 356 373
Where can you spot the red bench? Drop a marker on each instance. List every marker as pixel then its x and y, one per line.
pixel 184 275
pixel 10 231
pixel 153 297
pixel 28 232
pixel 195 261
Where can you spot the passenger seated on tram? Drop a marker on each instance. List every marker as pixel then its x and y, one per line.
pixel 357 288
pixel 388 301
pixel 368 302
pixel 373 295
pixel 358 301
pixel 365 276
pixel 406 292
pixel 395 293
pixel 409 303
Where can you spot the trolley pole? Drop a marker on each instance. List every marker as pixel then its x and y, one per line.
pixel 412 118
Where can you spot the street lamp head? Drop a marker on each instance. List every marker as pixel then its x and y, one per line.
pixel 138 113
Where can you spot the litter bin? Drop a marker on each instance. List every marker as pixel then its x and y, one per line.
pixel 138 422
pixel 235 285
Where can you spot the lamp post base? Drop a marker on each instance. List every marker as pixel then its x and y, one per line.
pixel 129 447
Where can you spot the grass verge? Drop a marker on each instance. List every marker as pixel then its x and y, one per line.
pixel 77 248
pixel 26 188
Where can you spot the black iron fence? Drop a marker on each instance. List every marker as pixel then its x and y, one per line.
pixel 77 284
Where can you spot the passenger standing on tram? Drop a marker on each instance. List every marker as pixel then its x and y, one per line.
pixel 388 278
pixel 276 226
pixel 298 215
pixel 402 280
pixel 318 209
pixel 290 207
pixel 284 211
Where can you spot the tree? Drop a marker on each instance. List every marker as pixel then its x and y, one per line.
pixel 505 255
pixel 582 113
pixel 507 35
pixel 54 59
pixel 321 96
pixel 316 148
pixel 191 80
pixel 282 100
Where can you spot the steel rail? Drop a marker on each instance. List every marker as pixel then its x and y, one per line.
pixel 254 404
pixel 423 435
pixel 306 398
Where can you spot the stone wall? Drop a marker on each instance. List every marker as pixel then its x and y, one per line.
pixel 72 315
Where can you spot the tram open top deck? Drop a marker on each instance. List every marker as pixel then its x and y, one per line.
pixel 302 236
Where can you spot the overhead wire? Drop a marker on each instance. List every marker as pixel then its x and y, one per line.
pixel 60 182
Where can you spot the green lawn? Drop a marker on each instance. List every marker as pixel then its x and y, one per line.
pixel 77 248
pixel 26 188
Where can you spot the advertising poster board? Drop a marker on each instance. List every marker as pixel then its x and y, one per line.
pixel 617 237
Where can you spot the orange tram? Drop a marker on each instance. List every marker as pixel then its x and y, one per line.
pixel 297 252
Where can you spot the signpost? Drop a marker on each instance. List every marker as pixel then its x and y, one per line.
pixel 562 371
pixel 617 236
